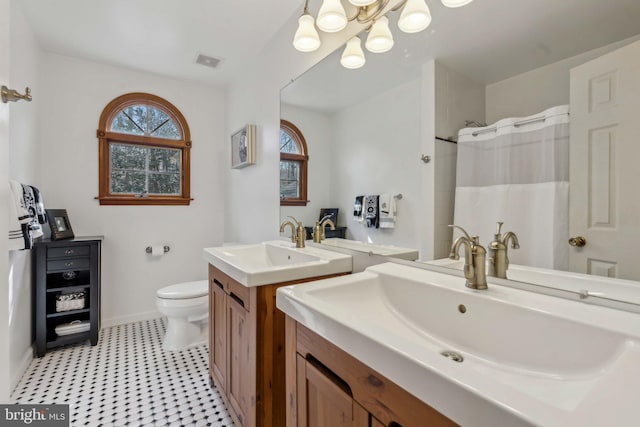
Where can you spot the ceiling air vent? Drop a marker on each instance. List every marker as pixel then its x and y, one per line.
pixel 207 61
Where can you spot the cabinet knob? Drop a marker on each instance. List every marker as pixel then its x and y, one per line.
pixel 68 264
pixel 68 251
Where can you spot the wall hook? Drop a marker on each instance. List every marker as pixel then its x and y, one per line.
pixel 425 158
pixel 13 95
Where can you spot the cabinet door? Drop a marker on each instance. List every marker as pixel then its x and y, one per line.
pixel 218 333
pixel 323 402
pixel 241 366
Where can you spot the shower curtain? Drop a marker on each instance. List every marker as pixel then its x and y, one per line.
pixel 517 172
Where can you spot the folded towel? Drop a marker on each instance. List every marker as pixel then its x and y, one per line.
pixel 30 202
pixel 357 209
pixel 387 211
pixel 18 198
pixel 19 233
pixel 371 211
pixel 42 215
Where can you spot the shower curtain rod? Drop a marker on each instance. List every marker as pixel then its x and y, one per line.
pixel 516 124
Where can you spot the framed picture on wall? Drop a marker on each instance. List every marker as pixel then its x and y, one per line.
pixel 243 146
pixel 60 224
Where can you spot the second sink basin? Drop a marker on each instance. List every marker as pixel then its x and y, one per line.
pixel 275 262
pixel 544 360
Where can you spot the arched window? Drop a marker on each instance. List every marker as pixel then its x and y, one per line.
pixel 293 165
pixel 144 145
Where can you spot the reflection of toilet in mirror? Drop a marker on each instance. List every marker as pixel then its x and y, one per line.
pixel 186 306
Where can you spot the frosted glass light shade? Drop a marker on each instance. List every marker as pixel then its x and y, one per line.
pixel 331 16
pixel 362 2
pixel 380 38
pixel 306 38
pixel 455 3
pixel 415 16
pixel 353 56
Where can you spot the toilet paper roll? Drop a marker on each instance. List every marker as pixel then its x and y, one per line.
pixel 157 250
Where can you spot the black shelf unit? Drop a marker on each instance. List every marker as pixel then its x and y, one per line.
pixel 62 267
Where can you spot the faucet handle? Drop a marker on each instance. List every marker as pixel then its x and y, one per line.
pixel 499 228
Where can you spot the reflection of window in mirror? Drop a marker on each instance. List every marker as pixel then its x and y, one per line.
pixel 293 165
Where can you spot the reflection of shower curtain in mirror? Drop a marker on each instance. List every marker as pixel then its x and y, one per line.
pixel 517 171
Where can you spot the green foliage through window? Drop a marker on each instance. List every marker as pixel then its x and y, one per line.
pixel 137 169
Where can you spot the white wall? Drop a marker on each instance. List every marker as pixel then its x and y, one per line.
pixel 5 367
pixel 24 167
pixel 316 127
pixel 74 93
pixel 457 98
pixel 539 89
pixel 377 147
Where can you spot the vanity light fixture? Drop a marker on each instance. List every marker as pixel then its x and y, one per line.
pixel 353 56
pixel 332 17
pixel 380 39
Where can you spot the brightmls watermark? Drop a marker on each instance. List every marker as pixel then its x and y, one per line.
pixel 34 415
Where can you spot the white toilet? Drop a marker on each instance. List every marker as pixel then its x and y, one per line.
pixel 186 306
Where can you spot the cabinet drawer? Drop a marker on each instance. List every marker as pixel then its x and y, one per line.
pixel 68 264
pixel 68 251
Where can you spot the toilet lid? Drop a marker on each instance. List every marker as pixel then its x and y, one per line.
pixel 185 290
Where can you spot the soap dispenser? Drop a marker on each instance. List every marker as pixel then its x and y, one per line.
pixel 498 259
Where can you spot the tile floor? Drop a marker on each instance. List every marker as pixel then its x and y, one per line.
pixel 126 380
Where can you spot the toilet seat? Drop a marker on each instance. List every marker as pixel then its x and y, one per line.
pixel 185 290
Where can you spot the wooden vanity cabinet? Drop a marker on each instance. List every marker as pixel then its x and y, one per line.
pixel 327 387
pixel 246 349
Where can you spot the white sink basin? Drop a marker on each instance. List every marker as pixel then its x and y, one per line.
pixel 528 358
pixel 377 249
pixel 275 262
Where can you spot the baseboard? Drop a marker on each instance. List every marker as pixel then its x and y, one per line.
pixel 122 320
pixel 21 368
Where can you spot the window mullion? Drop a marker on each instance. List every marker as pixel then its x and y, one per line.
pixel 146 170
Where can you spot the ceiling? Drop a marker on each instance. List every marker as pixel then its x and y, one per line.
pixel 488 39
pixel 160 36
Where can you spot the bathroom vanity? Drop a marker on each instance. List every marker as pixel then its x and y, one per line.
pixel 247 332
pixel 500 356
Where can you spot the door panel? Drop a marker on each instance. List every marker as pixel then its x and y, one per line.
pixel 325 403
pixel 604 207
pixel 239 380
pixel 218 334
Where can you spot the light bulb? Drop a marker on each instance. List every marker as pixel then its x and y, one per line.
pixel 361 3
pixel 331 16
pixel 353 56
pixel 415 16
pixel 380 38
pixel 306 38
pixel 455 3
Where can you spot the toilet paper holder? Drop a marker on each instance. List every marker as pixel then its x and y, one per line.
pixel 166 249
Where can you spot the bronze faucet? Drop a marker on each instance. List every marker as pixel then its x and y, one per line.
pixel 498 258
pixel 474 259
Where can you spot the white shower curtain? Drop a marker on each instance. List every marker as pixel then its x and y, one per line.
pixel 517 171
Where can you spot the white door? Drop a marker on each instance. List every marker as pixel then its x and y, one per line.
pixel 604 202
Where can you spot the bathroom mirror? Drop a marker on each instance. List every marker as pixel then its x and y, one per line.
pixel 365 128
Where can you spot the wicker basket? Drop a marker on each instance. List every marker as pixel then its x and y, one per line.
pixel 70 301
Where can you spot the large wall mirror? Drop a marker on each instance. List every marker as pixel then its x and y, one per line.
pixel 367 130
